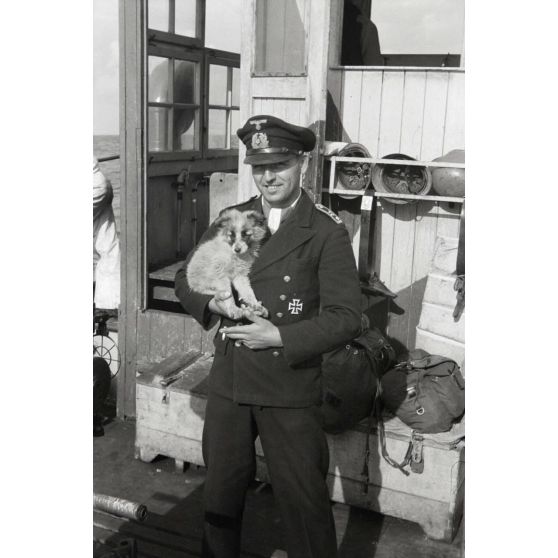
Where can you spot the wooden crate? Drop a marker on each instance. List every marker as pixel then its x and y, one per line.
pixel 170 422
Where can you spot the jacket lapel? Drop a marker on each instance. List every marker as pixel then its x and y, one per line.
pixel 293 232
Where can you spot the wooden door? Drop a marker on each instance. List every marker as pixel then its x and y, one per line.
pixel 283 73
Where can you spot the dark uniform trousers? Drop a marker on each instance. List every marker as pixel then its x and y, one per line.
pixel 297 458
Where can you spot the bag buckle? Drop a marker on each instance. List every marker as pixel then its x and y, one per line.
pixel 417 460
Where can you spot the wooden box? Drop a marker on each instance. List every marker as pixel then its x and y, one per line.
pixel 170 422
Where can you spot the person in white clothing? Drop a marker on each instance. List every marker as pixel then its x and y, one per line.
pixel 106 248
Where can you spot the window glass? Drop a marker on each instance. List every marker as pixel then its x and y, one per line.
pixel 280 44
pixel 403 33
pixel 158 129
pixel 236 87
pixel 217 129
pixel 185 18
pixel 158 82
pixel 158 15
pixel 425 27
pixel 184 81
pixel 235 125
pixel 222 24
pixel 185 136
pixel 217 84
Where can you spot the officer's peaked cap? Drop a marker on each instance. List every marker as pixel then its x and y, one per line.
pixel 269 139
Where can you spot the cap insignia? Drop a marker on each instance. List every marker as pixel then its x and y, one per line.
pixel 259 140
pixel 257 123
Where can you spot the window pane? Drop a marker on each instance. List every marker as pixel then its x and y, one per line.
pixel 158 82
pixel 158 15
pixel 217 85
pixel 158 129
pixel 185 136
pixel 236 87
pixel 185 18
pixel 184 81
pixel 235 125
pixel 217 135
pixel 403 33
pixel 280 44
pixel 222 24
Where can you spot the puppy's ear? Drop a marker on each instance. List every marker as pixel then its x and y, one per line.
pixel 223 220
pixel 257 218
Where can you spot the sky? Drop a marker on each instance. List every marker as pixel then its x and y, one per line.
pixel 419 27
pixel 105 67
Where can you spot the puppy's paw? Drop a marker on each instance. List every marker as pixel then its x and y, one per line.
pixel 259 310
pixel 240 313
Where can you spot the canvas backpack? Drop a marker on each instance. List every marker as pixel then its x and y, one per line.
pixel 427 392
pixel 350 379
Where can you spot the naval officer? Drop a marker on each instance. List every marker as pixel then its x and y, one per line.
pixel 266 379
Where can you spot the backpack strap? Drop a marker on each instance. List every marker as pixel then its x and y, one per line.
pixel 460 264
pixel 385 455
pixel 459 285
pixel 428 361
pixel 369 281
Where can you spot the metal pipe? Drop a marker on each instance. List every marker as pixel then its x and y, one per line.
pixel 109 158
pixel 181 183
pixel 119 507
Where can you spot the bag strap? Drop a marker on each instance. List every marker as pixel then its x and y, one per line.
pixel 369 281
pixel 459 285
pixel 408 455
pixel 368 208
pixel 460 264
pixel 423 363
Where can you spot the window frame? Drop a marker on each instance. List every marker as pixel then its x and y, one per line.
pixel 220 58
pixel 173 46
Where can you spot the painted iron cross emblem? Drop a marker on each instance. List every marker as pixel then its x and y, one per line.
pixel 295 307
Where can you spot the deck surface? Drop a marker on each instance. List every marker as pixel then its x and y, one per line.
pixel 173 526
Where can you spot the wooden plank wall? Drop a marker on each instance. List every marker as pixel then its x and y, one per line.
pixel 161 334
pixel 291 110
pixel 419 113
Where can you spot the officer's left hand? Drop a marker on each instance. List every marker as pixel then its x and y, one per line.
pixel 260 334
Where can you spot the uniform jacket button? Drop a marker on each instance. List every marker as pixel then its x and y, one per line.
pixel 279 314
pixel 287 278
pixel 275 353
pixel 237 343
pixel 283 297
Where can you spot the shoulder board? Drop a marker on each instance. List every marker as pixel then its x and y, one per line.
pixel 328 212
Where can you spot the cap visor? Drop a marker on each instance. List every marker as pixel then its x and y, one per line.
pixel 268 158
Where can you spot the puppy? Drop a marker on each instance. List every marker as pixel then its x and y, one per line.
pixel 225 260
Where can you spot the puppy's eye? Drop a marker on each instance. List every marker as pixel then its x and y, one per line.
pixel 247 233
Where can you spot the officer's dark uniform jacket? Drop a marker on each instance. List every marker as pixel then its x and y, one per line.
pixel 306 277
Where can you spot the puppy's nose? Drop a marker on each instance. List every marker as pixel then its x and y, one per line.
pixel 237 249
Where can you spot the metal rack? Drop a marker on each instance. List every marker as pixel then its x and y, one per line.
pixel 334 159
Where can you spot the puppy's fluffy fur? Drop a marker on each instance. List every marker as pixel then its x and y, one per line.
pixel 224 261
